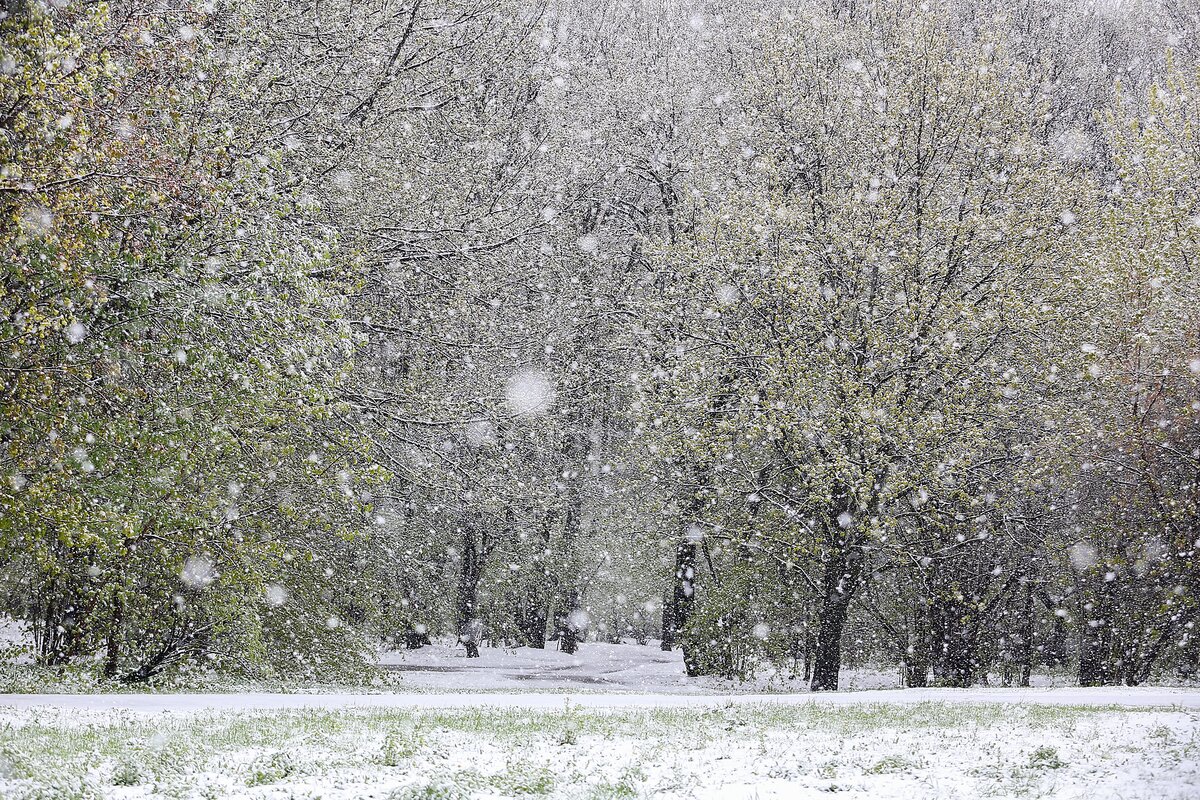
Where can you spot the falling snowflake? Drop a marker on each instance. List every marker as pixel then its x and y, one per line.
pixel 1083 556
pixel 529 393
pixel 276 595
pixel 198 571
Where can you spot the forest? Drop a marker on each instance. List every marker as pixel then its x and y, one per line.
pixel 793 335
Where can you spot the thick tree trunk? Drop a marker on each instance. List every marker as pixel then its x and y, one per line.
pixel 1095 647
pixel 810 647
pixel 916 656
pixel 572 619
pixel 681 596
pixel 954 643
pixel 532 616
pixel 568 638
pixel 839 583
pixel 1092 666
pixel 466 601
pixel 827 660
pixel 535 637
pixel 536 603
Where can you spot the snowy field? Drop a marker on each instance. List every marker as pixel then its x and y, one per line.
pixel 614 721
pixel 943 749
pixel 601 667
pixel 596 666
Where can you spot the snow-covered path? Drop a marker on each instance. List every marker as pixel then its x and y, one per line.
pixel 153 703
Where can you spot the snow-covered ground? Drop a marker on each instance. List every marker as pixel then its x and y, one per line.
pixel 595 666
pixel 605 667
pixel 948 750
pixel 1123 697
pixel 613 721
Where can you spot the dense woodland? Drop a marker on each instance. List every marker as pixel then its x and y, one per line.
pixel 802 334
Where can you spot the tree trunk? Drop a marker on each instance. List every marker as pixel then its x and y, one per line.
pixel 531 617
pixel 839 583
pixel 466 600
pixel 954 642
pixel 568 638
pixel 1095 647
pixel 570 619
pixel 1092 667
pixel 681 597
pixel 810 647
pixel 916 657
pixel 682 594
pixel 1025 645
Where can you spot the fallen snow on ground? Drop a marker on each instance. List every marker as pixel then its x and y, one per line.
pixel 1106 696
pixel 595 666
pixel 928 750
pixel 613 721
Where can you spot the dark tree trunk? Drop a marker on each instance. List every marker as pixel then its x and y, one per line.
pixel 1096 667
pixel 1093 669
pixel 536 638
pixel 531 620
pixel 466 601
pixel 112 644
pixel 916 673
pixel 838 585
pixel 916 656
pixel 1024 647
pixel 1055 652
pixel 954 643
pixel 568 637
pixel 569 619
pixel 667 635
pixel 534 605
pixel 681 596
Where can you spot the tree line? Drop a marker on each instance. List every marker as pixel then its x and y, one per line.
pixel 797 335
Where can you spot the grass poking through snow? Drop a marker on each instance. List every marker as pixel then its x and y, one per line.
pixel 935 750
